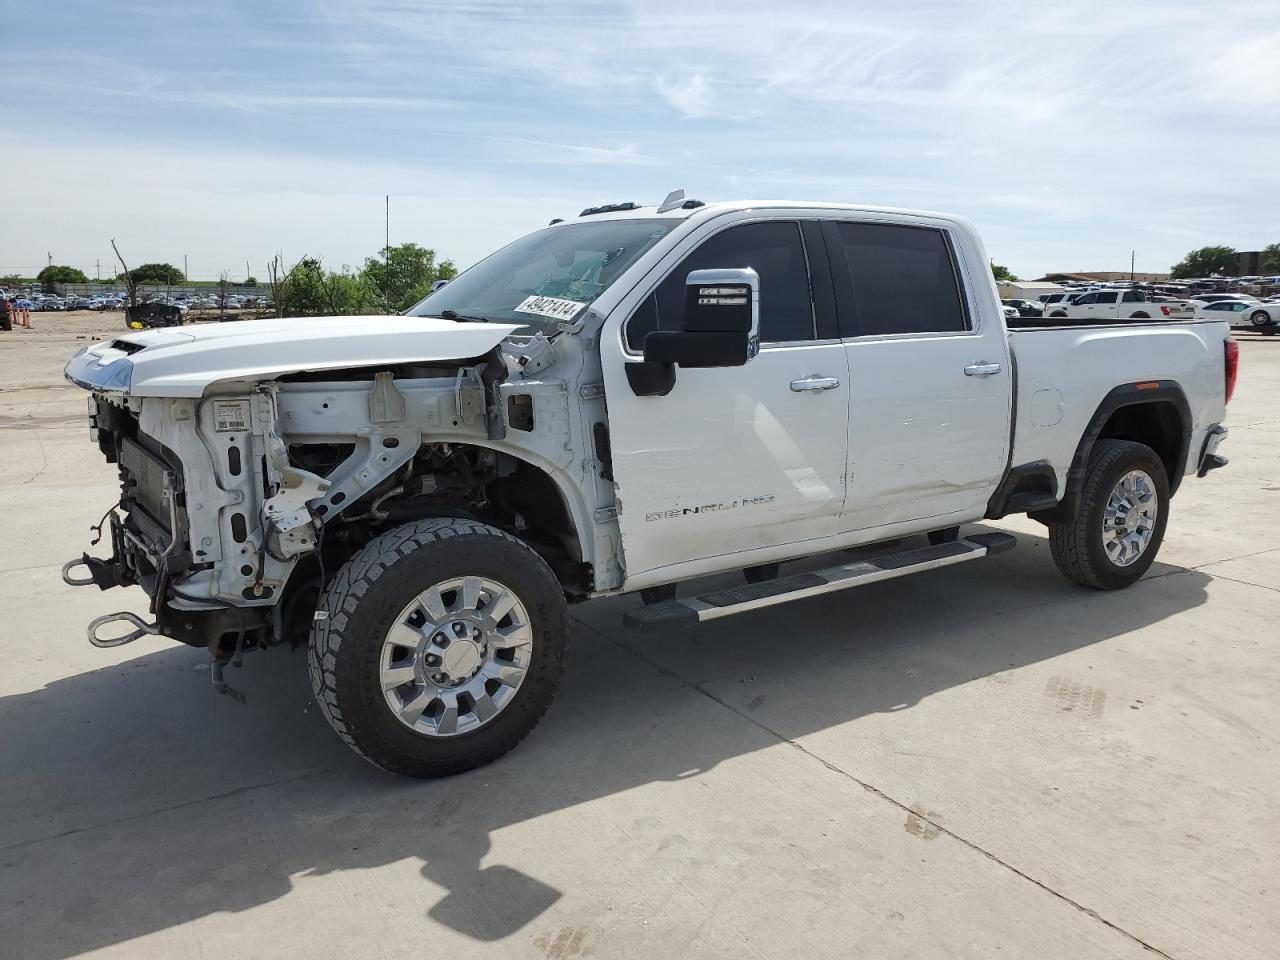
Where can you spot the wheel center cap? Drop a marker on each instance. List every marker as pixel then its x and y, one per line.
pixel 461 659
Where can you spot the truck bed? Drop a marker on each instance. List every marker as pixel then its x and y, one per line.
pixel 1054 323
pixel 1066 368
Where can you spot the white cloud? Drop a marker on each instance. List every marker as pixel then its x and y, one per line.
pixel 691 96
pixel 547 151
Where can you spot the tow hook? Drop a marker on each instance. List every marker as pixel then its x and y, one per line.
pixel 77 581
pixel 143 628
pixel 104 574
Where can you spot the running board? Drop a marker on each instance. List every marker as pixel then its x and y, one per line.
pixel 753 596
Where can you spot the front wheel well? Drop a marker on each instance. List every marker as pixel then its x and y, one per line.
pixel 462 481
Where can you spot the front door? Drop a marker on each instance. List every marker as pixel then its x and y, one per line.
pixel 739 458
pixel 930 381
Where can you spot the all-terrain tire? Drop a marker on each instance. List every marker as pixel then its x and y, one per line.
pixel 1077 544
pixel 364 599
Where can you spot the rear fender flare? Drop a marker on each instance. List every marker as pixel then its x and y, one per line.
pixel 1126 395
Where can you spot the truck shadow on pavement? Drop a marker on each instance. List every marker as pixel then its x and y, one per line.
pixel 136 800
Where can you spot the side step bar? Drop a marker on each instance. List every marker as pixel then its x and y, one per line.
pixel 753 596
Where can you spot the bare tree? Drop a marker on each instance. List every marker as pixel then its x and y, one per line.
pixel 279 278
pixel 129 283
pixel 224 284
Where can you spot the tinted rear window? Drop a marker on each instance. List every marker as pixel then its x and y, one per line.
pixel 903 278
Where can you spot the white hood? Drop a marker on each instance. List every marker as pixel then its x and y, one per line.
pixel 183 361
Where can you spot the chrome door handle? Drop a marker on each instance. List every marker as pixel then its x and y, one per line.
pixel 814 383
pixel 981 369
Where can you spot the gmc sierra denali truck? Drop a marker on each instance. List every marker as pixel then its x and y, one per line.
pixel 623 403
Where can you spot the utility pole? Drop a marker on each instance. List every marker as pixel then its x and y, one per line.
pixel 1133 256
pixel 97 266
pixel 386 259
pixel 50 256
pixel 185 276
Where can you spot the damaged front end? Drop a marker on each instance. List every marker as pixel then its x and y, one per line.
pixel 150 537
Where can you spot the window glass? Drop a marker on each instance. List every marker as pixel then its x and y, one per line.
pixel 567 266
pixel 903 279
pixel 1108 297
pixel 1129 297
pixel 1087 298
pixel 773 249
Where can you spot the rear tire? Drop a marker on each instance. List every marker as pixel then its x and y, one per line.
pixel 1113 538
pixel 378 631
pixel 1260 318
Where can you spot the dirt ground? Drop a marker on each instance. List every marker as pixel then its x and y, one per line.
pixel 974 762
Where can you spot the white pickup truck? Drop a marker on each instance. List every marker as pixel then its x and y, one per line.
pixel 1118 305
pixel 623 403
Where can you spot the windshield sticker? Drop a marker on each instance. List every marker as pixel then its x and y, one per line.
pixel 550 307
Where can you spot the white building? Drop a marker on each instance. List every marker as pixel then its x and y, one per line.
pixel 1025 289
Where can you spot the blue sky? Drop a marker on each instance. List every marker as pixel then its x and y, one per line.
pixel 1069 132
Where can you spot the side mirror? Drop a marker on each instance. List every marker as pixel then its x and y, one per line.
pixel 721 322
pixel 436 285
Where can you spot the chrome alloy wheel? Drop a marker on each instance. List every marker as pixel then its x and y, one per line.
pixel 1129 521
pixel 455 657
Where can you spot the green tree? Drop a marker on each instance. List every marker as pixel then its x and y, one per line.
pixel 303 294
pixel 403 274
pixel 312 291
pixel 56 274
pixel 347 292
pixel 158 273
pixel 1269 262
pixel 1002 273
pixel 1207 261
pixel 12 280
pixel 251 281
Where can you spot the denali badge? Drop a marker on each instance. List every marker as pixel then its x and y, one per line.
pixel 708 508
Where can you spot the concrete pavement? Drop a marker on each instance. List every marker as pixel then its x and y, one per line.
pixel 972 762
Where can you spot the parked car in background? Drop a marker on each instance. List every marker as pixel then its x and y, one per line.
pixel 1025 308
pixel 1119 305
pixel 1048 300
pixel 1218 298
pixel 1252 313
pixel 1010 313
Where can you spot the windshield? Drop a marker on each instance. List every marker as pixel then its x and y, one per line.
pixel 547 277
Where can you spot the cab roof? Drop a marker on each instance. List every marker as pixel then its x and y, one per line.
pixel 692 208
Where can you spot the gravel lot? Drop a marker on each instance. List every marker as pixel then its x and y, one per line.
pixel 974 762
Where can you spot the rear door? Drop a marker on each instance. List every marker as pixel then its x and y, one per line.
pixel 1106 305
pixel 1133 302
pixel 733 459
pixel 929 378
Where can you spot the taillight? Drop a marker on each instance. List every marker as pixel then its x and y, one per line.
pixel 1231 356
pixel 1164 310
